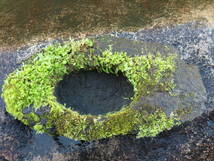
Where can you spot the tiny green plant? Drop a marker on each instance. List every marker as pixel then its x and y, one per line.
pixel 30 90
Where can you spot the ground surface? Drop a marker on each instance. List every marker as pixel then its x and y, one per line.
pixel 192 140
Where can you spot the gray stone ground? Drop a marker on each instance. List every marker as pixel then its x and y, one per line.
pixel 192 140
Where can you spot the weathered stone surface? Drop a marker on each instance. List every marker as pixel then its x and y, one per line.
pixel 132 47
pixel 42 110
pixel 187 99
pixel 192 141
pixel 194 43
pixel 28 110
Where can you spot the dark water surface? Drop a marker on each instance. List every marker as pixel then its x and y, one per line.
pixel 91 92
pixel 23 20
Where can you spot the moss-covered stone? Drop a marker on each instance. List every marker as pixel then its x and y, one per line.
pixel 29 91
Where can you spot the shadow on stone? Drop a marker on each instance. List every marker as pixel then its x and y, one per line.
pixel 91 92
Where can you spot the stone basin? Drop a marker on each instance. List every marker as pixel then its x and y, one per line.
pixel 192 140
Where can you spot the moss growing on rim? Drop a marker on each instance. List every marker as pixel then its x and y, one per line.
pixel 29 92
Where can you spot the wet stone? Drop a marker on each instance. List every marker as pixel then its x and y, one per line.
pixel 189 96
pixel 28 110
pixel 187 99
pixel 212 35
pixel 192 140
pixel 42 110
pixel 93 92
pixel 3 158
pixel 43 121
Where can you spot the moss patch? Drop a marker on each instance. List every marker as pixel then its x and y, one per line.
pixel 29 91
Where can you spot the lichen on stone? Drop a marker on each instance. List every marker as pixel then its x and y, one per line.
pixel 29 91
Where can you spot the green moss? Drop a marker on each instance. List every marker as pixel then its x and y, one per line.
pixel 156 123
pixel 33 86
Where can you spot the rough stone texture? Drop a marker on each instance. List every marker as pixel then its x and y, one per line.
pixel 188 97
pixel 193 41
pixel 192 140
